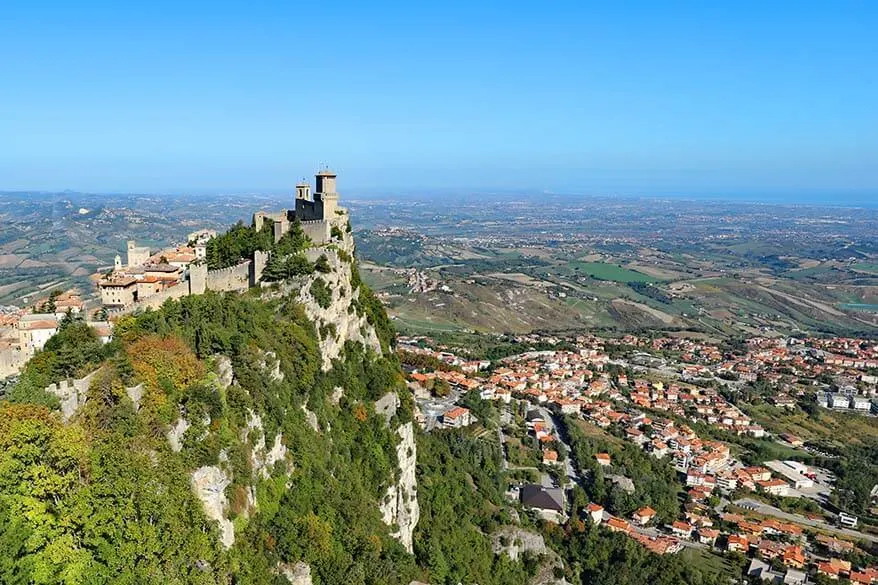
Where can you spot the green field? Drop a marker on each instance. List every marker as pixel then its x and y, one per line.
pixel 866 267
pixel 605 271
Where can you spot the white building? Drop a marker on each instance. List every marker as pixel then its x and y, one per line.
pixel 35 330
pixel 861 403
pixel 847 520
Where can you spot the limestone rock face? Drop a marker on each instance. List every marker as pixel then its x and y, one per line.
pixel 387 405
pixel 262 459
pixel 225 373
pixel 297 574
pixel 209 484
pixel 340 313
pixel 311 418
pixel 400 505
pixel 175 434
pixel 513 541
pixel 135 393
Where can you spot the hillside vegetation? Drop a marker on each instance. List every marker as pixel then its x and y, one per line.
pixel 218 444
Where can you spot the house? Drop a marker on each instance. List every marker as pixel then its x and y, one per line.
pixel 35 330
pixel 548 502
pixel 726 482
pixel 834 544
pixel 794 556
pixel 775 487
pixel 769 549
pixel 603 459
pixel 595 512
pixel 792 439
pixel 707 535
pixel 834 568
pixel 644 515
pixel 758 473
pixel 682 529
pixel 865 577
pixel 550 457
pixel 618 525
pixel 737 543
pixel 636 436
pixel 118 291
pixel 456 417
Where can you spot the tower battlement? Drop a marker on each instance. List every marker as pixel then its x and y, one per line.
pixel 315 209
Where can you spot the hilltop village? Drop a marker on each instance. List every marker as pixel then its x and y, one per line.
pixel 148 278
pixel 595 411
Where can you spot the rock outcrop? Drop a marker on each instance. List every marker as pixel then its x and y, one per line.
pixel 297 574
pixel 513 541
pixel 347 324
pixel 400 506
pixel 262 459
pixel 175 434
pixel 209 484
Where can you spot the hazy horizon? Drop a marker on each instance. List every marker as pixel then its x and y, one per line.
pixel 781 198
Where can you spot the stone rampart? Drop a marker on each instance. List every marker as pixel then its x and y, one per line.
pixel 233 278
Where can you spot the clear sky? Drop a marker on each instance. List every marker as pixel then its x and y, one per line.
pixel 629 97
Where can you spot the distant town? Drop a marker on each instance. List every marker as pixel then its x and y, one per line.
pixel 667 397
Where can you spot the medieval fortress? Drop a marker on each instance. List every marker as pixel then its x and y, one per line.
pixel 148 280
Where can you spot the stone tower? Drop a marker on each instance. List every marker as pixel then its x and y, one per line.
pixel 257 267
pixel 198 278
pixel 325 192
pixel 303 191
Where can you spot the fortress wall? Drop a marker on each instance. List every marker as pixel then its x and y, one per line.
pixel 157 300
pixel 12 359
pixel 234 278
pixel 317 230
pixel 71 393
pixel 151 302
pixel 312 254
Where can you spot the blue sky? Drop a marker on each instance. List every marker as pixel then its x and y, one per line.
pixel 628 97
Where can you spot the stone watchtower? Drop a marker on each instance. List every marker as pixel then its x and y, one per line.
pixel 303 191
pixel 325 192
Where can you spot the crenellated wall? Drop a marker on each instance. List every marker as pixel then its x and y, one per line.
pixel 233 278
pixel 317 230
pixel 71 394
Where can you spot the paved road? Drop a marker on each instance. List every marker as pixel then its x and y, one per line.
pixel 553 422
pixel 762 508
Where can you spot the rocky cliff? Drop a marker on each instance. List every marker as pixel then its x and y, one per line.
pixel 340 320
pixel 400 507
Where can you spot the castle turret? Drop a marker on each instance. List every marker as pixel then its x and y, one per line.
pixel 303 191
pixel 325 192
pixel 325 182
